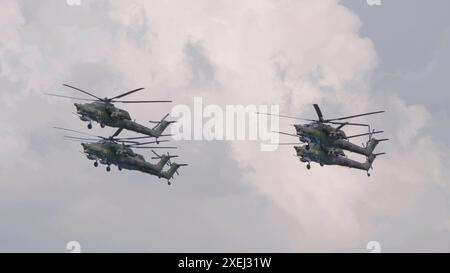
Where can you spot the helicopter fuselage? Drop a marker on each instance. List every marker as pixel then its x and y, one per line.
pixel 318 133
pixel 108 153
pixel 316 154
pixel 109 115
pixel 331 139
pixel 101 112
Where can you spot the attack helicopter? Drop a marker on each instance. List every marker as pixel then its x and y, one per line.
pixel 103 111
pixel 118 151
pixel 332 139
pixel 338 146
pixel 316 154
pixel 136 162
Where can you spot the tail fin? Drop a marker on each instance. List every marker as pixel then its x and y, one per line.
pixel 372 143
pixel 164 159
pixel 171 171
pixel 370 159
pixel 162 162
pixel 161 125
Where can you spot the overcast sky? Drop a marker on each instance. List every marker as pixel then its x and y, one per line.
pixel 345 55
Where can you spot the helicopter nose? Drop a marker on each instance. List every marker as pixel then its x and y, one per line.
pixel 84 145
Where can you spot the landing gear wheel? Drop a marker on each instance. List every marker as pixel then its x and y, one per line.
pixel 169 183
pixel 119 168
pixel 108 169
pixel 308 167
pixel 89 126
pixel 321 165
pixel 368 174
pixel 95 164
pixel 307 147
pixel 102 125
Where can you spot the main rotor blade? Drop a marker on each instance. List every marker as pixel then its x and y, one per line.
pixel 355 116
pixel 80 138
pixel 67 97
pixel 168 155
pixel 319 113
pixel 141 137
pixel 152 147
pixel 82 91
pixel 141 101
pixel 283 116
pixel 285 143
pixel 117 132
pixel 165 116
pixel 348 123
pixel 83 133
pixel 151 142
pixel 126 93
pixel 156 154
pixel 365 134
pixel 286 134
pixel 126 141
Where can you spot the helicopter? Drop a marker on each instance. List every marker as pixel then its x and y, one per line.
pixel 118 151
pixel 332 139
pixel 137 162
pixel 103 111
pixel 338 146
pixel 316 154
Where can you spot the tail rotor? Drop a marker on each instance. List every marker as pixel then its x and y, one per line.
pixel 173 167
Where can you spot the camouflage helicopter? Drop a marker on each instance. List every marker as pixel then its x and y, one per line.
pixel 338 146
pixel 316 154
pixel 108 151
pixel 105 113
pixel 132 161
pixel 332 139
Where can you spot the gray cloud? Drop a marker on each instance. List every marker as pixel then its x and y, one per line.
pixel 51 194
pixel 255 52
pixel 202 69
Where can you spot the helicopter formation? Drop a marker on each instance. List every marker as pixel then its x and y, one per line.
pixel 324 144
pixel 116 150
pixel 320 141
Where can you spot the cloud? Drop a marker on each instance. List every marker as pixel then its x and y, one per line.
pixel 232 197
